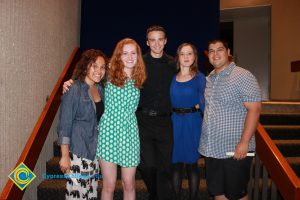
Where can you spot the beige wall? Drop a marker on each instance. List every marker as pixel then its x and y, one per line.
pixel 285 42
pixel 245 3
pixel 36 39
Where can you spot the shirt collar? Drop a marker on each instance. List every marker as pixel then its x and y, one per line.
pixel 164 57
pixel 86 86
pixel 225 72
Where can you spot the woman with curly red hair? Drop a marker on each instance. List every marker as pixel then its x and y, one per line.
pixel 118 142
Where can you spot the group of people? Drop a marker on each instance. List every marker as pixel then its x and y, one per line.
pixel 145 112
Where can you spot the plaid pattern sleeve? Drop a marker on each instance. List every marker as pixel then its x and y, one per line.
pixel 225 112
pixel 249 88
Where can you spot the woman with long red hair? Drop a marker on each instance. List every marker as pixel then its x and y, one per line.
pixel 118 142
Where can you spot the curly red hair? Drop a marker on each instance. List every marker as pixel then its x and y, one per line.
pixel 116 70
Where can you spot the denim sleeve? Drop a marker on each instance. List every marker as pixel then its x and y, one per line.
pixel 68 108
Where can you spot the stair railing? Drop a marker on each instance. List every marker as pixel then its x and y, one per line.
pixel 274 166
pixel 35 143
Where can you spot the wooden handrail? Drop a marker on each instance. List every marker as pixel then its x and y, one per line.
pixel 35 143
pixel 277 166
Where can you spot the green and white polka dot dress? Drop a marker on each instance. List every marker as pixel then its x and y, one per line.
pixel 118 140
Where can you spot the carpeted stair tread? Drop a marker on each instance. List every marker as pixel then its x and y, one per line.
pixel 279 113
pixel 293 160
pixel 55 189
pixel 280 107
pixel 141 189
pixel 283 127
pixel 283 132
pixel 280 118
pixel 288 148
pixel 52 167
pixel 295 164
pixel 56 184
pixel 287 142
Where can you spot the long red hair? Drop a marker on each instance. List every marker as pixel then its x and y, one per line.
pixel 116 69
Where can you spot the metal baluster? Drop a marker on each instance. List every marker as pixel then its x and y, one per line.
pixel 265 184
pixel 256 178
pixel 273 191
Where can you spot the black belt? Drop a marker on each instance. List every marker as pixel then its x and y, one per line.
pixel 153 113
pixel 182 111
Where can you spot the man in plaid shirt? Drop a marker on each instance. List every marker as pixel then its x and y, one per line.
pixel 233 104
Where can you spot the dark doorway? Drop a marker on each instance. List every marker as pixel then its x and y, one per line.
pixel 226 34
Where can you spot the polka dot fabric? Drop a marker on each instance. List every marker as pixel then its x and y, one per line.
pixel 118 140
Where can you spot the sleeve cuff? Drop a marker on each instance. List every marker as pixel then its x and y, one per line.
pixel 63 140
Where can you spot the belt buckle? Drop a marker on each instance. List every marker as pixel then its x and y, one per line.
pixel 152 113
pixel 181 111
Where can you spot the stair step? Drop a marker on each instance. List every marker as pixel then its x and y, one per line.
pixel 295 164
pixel 283 128
pixel 143 194
pixel 280 118
pixel 280 107
pixel 283 132
pixel 55 190
pixel 52 167
pixel 288 148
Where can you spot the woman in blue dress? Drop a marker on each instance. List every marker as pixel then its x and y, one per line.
pixel 187 98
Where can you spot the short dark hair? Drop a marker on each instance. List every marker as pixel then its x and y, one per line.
pixel 86 60
pixel 214 41
pixel 156 28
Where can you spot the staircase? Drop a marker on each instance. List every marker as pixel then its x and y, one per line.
pixel 281 121
pixel 54 189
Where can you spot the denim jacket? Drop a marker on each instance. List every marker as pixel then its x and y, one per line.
pixel 78 125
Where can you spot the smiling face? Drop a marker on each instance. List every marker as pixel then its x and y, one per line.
pixel 129 56
pixel 156 41
pixel 186 56
pixel 218 56
pixel 96 71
